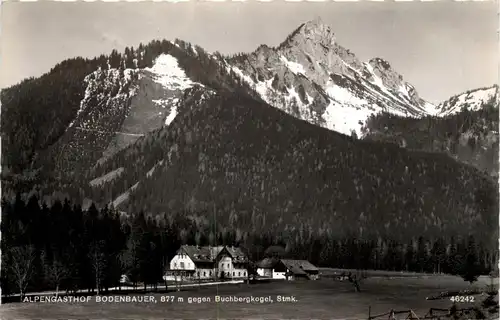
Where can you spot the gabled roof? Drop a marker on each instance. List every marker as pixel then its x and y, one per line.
pixel 237 254
pixel 208 254
pixel 298 266
pixel 201 254
pixel 268 263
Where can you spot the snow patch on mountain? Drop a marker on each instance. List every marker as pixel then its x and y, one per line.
pixel 124 196
pixel 261 87
pixel 150 172
pixel 380 84
pixel 431 109
pixel 343 95
pixel 166 71
pixel 295 67
pixel 106 80
pixel 344 118
pixel 472 100
pixel 107 177
pixel 171 116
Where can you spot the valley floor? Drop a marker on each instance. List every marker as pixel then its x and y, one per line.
pixel 322 299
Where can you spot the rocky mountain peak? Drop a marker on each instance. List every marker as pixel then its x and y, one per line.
pixel 311 31
pixel 311 76
pixel 313 46
pixel 380 64
pixel 318 30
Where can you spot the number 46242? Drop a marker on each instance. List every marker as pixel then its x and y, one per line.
pixel 462 299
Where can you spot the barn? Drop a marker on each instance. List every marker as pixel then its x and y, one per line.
pixel 289 269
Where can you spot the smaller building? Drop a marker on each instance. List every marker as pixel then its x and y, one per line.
pixel 271 268
pixel 300 269
pixel 288 269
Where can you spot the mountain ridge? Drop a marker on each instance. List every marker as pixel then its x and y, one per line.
pixel 235 157
pixel 135 99
pixel 312 77
pixel 467 129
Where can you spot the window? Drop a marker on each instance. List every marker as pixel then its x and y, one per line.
pixel 204 273
pixel 175 265
pixel 233 273
pixel 197 273
pixel 239 274
pixel 182 265
pixel 244 273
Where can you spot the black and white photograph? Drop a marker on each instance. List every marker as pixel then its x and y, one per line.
pixel 249 160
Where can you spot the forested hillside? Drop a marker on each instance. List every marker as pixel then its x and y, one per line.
pixel 42 150
pixel 261 169
pixel 468 136
pixel 62 247
pixel 238 162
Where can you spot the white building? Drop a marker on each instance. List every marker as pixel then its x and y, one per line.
pixel 208 263
pixel 232 263
pixel 270 268
pixel 287 269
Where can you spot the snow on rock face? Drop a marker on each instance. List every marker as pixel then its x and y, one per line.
pixel 312 77
pixel 109 87
pixel 342 113
pixel 166 71
pixel 115 90
pixel 295 67
pixel 121 105
pixel 171 116
pixel 472 100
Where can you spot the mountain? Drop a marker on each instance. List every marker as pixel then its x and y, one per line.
pixel 97 106
pixel 312 77
pixel 100 105
pixel 169 127
pixel 261 169
pixel 466 129
pixel 471 100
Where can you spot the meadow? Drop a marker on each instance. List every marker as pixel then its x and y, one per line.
pixel 322 299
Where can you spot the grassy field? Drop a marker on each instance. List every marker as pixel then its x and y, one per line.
pixel 322 299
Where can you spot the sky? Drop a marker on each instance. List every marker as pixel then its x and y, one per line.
pixel 442 48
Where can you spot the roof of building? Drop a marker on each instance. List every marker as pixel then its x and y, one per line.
pixel 237 254
pixel 295 266
pixel 201 254
pixel 207 254
pixel 299 266
pixel 268 263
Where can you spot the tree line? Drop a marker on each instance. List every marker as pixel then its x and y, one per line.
pixel 63 247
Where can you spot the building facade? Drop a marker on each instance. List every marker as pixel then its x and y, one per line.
pixel 232 263
pixel 204 263
pixel 271 268
pixel 288 269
